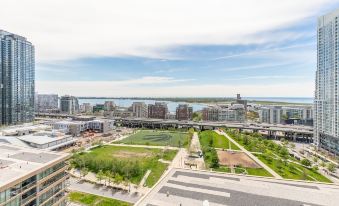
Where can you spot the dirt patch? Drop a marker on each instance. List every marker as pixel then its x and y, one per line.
pixel 228 158
pixel 128 154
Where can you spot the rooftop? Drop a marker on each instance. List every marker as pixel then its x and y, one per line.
pixel 188 187
pixel 42 138
pixel 16 162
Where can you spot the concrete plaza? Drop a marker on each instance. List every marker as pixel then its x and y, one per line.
pixel 191 188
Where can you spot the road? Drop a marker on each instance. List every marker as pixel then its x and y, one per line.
pixel 276 175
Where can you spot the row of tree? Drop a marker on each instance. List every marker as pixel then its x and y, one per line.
pixel 126 169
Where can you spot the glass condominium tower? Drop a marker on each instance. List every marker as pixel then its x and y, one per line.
pixel 326 102
pixel 17 65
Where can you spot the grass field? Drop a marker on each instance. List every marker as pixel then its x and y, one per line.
pixel 211 138
pixel 130 162
pixel 158 138
pixel 89 199
pixel 293 171
pixel 273 155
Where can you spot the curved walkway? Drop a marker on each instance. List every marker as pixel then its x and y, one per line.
pixel 276 175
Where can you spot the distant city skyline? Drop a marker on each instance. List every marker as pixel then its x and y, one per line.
pixel 171 48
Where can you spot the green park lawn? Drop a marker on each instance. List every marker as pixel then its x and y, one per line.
pixel 90 199
pixel 158 138
pixel 295 171
pixel 211 138
pixel 273 155
pixel 129 162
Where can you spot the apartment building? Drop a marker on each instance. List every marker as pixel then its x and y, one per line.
pixel 184 112
pixel 32 177
pixel 140 109
pixel 289 115
pixel 17 70
pixel 158 110
pixel 69 104
pixel 326 101
pixel 47 103
pixel 233 113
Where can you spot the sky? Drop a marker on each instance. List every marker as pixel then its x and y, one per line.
pixel 170 48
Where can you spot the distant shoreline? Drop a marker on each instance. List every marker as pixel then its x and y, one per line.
pixel 220 100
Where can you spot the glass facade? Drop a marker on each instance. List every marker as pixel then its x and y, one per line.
pixel 326 103
pixel 17 69
pixel 39 189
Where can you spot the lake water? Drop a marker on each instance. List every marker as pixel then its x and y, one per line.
pixel 172 105
pixel 304 100
pixel 128 102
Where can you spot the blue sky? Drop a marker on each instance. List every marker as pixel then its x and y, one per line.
pixel 267 48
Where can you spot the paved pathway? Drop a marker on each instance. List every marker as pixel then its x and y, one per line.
pixel 86 187
pixel 276 175
pixel 142 182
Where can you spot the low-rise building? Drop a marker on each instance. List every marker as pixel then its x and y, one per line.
pixel 184 112
pixel 75 128
pixel 49 140
pixel 289 115
pixel 32 177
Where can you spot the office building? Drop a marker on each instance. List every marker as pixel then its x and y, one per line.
pixel 47 103
pixel 184 112
pixel 140 110
pixel 158 110
pixel 32 177
pixel 69 104
pixel 326 101
pixel 17 68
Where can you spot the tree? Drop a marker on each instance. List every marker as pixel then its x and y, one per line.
pixel 331 167
pixel 245 140
pixel 109 176
pixel 322 163
pixel 100 175
pixel 315 159
pixel 306 162
pixel 83 172
pixel 291 168
pixel 118 178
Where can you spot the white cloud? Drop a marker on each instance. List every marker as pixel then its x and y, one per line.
pixel 273 77
pixel 64 29
pixel 114 89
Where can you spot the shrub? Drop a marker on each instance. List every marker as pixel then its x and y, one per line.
pixel 306 162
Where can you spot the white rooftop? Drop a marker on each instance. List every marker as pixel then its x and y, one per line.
pixel 17 162
pixel 42 138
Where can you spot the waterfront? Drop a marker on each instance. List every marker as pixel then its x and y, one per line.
pixel 128 102
pixel 125 102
